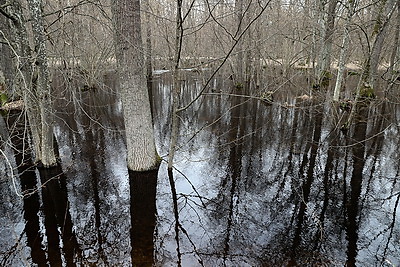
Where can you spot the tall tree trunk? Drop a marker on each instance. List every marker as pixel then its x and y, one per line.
pixel 41 88
pixel 324 62
pixel 33 83
pixel 6 73
pixel 382 22
pixel 395 55
pixel 344 49
pixel 149 54
pixel 318 17
pixel 176 89
pixel 257 56
pixel 149 60
pixel 141 149
pixel 240 55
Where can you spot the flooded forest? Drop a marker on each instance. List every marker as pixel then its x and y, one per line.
pixel 199 133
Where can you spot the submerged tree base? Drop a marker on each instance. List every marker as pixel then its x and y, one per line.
pixel 143 187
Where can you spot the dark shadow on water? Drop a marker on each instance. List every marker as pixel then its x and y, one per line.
pixel 16 125
pixel 143 187
pixel 307 180
pixel 353 204
pixel 57 218
pixel 253 185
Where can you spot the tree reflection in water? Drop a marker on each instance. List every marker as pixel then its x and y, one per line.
pixel 255 185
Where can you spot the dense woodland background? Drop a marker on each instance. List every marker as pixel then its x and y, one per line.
pixel 249 37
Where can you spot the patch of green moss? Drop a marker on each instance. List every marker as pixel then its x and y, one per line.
pixel 325 78
pixel 3 98
pixel 239 86
pixel 367 92
pixel 352 73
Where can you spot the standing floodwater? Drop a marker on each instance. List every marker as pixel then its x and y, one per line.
pixel 256 185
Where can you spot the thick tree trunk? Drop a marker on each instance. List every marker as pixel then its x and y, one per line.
pixel 32 77
pixel 41 86
pixel 141 149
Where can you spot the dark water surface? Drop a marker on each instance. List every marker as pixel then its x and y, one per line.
pixel 256 185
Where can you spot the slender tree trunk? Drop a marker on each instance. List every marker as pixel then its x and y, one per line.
pixel 177 88
pixel 149 61
pixel 318 17
pixel 6 73
pixel 324 62
pixel 257 56
pixel 344 50
pixel 149 55
pixel 240 55
pixel 141 149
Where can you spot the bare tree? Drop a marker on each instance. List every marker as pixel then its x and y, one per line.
pixel 324 62
pixel 142 154
pixel 385 11
pixel 350 10
pixel 33 76
pixel 41 89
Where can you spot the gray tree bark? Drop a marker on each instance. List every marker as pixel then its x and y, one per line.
pixel 344 49
pixel 141 149
pixel 149 61
pixel 41 87
pixel 5 51
pixel 324 62
pixel 177 88
pixel 395 55
pixel 32 77
pixel 240 55
pixel 382 22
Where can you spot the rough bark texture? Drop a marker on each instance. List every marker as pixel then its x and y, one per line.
pixel 32 77
pixel 41 87
pixel 141 148
pixel 6 73
pixel 23 80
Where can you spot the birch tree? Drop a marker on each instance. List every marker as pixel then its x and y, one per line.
pixel 141 149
